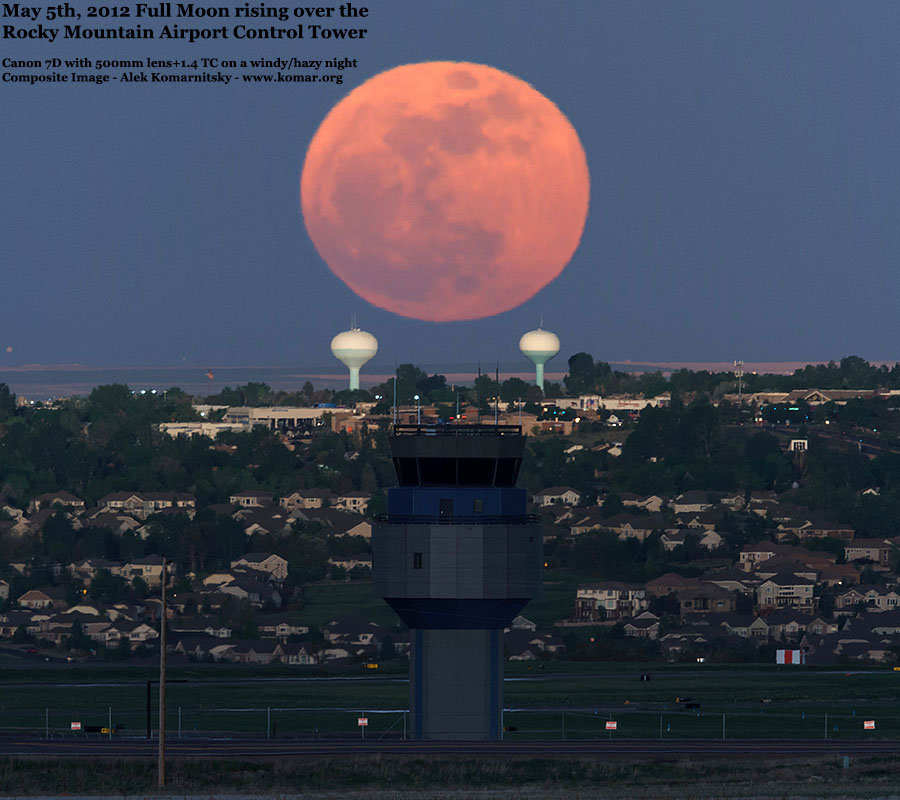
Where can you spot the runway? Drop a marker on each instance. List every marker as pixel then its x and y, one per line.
pixel 625 749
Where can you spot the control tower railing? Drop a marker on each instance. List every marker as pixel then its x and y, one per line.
pixel 473 519
pixel 457 430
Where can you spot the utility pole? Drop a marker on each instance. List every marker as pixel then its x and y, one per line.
pixel 161 758
pixel 497 397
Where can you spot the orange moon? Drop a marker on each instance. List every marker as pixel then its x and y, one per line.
pixel 445 191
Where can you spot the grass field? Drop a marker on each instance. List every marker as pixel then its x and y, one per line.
pixel 325 601
pixel 389 778
pixel 756 701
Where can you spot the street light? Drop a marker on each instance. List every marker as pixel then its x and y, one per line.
pixel 418 411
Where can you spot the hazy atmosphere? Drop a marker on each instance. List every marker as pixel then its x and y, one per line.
pixel 744 193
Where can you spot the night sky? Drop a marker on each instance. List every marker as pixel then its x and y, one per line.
pixel 745 192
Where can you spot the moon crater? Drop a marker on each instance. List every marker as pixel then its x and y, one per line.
pixel 445 191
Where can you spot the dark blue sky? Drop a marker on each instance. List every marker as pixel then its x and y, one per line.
pixel 745 197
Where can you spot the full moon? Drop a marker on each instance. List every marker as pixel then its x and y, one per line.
pixel 445 191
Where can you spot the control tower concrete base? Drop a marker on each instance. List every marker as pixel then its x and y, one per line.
pixel 456 687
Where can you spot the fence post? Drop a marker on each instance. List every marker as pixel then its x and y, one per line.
pixel 723 726
pixel 268 723
pixel 110 722
pixel 47 723
pixel 826 725
pixel 563 723
pixel 179 722
pixel 660 726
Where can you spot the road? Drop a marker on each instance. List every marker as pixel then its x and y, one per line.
pixel 623 749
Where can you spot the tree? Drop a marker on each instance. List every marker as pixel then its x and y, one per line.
pixel 486 388
pixel 612 505
pixel 7 402
pixel 77 638
pixel 59 537
pixel 513 389
pixel 408 377
pixel 387 650
pixel 580 379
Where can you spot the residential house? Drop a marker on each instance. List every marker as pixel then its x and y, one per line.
pixel 201 625
pixel 734 500
pixel 652 503
pixel 219 578
pixel 270 521
pixel 839 575
pixel 118 523
pixel 12 620
pixel 39 598
pixel 50 500
pixel 705 538
pixel 337 523
pixel 261 651
pixel 256 592
pixel 307 498
pixel 355 561
pixel 127 502
pixel 670 583
pixel 785 589
pixel 752 554
pixel 609 600
pixel 708 598
pixel 584 520
pixel 732 580
pixel 773 566
pixel 876 551
pixel 685 639
pixel 700 520
pixel 737 624
pixel 251 499
pixel 557 495
pixel 813 526
pixel 271 563
pixel 149 568
pixel 691 502
pixel 354 502
pixel 644 626
pixel 875 598
pixel 86 569
pixel 762 503
pixel 524 645
pixel 626 526
pixel 298 654
pixel 279 627
pixel 198 648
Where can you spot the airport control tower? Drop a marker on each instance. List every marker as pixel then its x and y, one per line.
pixel 457 558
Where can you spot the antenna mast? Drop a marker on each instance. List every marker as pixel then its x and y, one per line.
pixel 739 374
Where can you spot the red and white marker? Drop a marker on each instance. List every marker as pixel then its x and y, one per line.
pixel 869 725
pixel 611 725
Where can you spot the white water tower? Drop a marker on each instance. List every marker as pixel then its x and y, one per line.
pixel 354 348
pixel 540 346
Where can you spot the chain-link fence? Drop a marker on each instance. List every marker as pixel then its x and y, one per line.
pixel 698 724
pixel 518 723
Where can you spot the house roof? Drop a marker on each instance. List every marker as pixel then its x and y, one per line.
pixel 693 497
pixel 256 558
pixel 555 491
pixel 63 496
